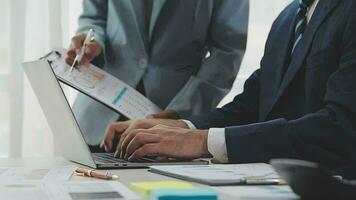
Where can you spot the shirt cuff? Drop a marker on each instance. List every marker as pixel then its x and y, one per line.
pixel 189 124
pixel 217 145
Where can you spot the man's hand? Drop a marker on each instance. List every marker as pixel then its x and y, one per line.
pixel 167 141
pixel 92 50
pixel 166 114
pixel 122 131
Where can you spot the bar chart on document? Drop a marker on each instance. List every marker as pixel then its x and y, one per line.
pixel 103 87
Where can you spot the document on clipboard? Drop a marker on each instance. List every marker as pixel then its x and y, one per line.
pixel 102 86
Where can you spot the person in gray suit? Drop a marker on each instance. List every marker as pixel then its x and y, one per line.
pixel 182 55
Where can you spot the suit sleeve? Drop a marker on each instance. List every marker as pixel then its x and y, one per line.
pixel 227 44
pixel 94 16
pixel 327 136
pixel 242 110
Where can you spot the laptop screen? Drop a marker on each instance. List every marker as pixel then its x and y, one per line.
pixel 92 116
pixel 58 113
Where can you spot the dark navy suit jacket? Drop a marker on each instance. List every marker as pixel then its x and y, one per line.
pixel 301 106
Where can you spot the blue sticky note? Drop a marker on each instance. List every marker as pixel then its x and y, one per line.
pixel 186 194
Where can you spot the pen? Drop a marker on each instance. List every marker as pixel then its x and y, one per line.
pixel 265 181
pixel 89 38
pixel 95 174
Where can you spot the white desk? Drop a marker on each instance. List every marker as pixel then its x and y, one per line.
pixel 133 175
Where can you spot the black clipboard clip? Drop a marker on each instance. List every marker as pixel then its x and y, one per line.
pixel 49 57
pixel 52 56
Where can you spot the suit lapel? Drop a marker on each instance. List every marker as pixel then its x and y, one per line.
pixel 278 60
pixel 131 25
pixel 285 48
pixel 156 10
pixel 320 14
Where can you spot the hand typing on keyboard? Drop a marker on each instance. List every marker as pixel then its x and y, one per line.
pixel 142 137
pixel 122 133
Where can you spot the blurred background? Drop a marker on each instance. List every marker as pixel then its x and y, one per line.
pixel 31 28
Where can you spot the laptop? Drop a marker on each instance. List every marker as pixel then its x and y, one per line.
pixel 66 130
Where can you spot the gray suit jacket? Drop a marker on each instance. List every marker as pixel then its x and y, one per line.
pixel 169 55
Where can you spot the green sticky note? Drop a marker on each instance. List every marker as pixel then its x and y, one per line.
pixel 183 194
pixel 145 188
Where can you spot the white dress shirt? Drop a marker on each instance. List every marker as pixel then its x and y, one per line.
pixel 216 136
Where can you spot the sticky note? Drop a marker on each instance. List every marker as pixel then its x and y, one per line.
pixel 145 188
pixel 183 194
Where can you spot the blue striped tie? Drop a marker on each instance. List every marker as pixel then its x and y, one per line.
pixel 301 21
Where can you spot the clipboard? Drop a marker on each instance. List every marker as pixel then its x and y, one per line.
pixel 102 87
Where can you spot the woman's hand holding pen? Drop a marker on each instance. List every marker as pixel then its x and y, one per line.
pixel 92 49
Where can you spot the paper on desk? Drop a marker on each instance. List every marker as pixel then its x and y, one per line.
pixel 70 190
pixel 226 174
pixel 78 190
pixel 36 174
pixel 263 192
pixel 103 87
pixel 23 191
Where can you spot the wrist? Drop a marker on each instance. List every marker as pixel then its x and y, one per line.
pixel 202 141
pixel 180 124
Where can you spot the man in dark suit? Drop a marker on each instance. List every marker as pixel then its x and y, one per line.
pixel 300 104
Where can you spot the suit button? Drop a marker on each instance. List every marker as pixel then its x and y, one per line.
pixel 142 63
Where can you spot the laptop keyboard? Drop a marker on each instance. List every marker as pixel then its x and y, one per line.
pixel 109 158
